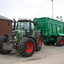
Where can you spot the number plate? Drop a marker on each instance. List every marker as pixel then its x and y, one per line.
pixel 7 46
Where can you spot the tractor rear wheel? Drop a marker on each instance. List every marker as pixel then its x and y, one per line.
pixel 60 41
pixel 26 47
pixel 3 40
pixel 39 44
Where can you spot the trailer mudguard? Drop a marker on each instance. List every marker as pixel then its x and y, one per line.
pixel 60 34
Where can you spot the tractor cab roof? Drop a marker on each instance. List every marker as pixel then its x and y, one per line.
pixel 24 20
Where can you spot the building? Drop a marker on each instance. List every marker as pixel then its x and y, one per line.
pixel 5 25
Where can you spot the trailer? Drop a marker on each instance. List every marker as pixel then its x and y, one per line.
pixel 52 30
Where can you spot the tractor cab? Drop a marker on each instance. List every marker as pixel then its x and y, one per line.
pixel 22 28
pixel 26 25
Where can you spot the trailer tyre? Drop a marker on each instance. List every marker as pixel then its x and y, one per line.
pixel 60 41
pixel 3 40
pixel 26 47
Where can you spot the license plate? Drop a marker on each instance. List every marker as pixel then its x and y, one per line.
pixel 7 46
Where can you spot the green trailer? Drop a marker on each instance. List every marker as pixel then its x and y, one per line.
pixel 52 30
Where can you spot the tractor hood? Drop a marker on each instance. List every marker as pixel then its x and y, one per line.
pixel 18 33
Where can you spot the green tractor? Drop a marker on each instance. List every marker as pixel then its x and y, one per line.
pixel 24 38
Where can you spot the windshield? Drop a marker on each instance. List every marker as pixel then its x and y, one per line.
pixel 24 25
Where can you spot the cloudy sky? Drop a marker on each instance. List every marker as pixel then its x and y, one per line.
pixel 31 8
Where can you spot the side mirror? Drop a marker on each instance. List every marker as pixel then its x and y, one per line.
pixel 14 21
pixel 34 22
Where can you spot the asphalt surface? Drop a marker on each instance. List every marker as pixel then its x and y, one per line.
pixel 47 55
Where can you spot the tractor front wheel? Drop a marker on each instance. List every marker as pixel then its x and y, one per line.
pixel 26 47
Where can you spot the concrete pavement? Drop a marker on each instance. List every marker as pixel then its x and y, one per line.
pixel 47 55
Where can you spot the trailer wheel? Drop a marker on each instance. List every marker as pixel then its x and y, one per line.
pixel 26 47
pixel 2 40
pixel 39 44
pixel 60 41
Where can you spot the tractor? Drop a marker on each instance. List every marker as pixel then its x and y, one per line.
pixel 24 38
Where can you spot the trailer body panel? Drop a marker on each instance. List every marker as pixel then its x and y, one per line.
pixel 50 28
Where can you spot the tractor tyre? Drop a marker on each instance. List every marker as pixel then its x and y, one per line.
pixel 26 47
pixel 3 40
pixel 60 41
pixel 39 43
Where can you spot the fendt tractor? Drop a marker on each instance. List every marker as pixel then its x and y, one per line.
pixel 24 38
pixel 52 30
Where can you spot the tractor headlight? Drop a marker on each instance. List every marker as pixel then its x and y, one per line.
pixel 13 33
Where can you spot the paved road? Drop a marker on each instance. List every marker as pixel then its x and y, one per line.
pixel 47 55
pixel 54 59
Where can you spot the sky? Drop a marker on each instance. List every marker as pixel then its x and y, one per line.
pixel 31 8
